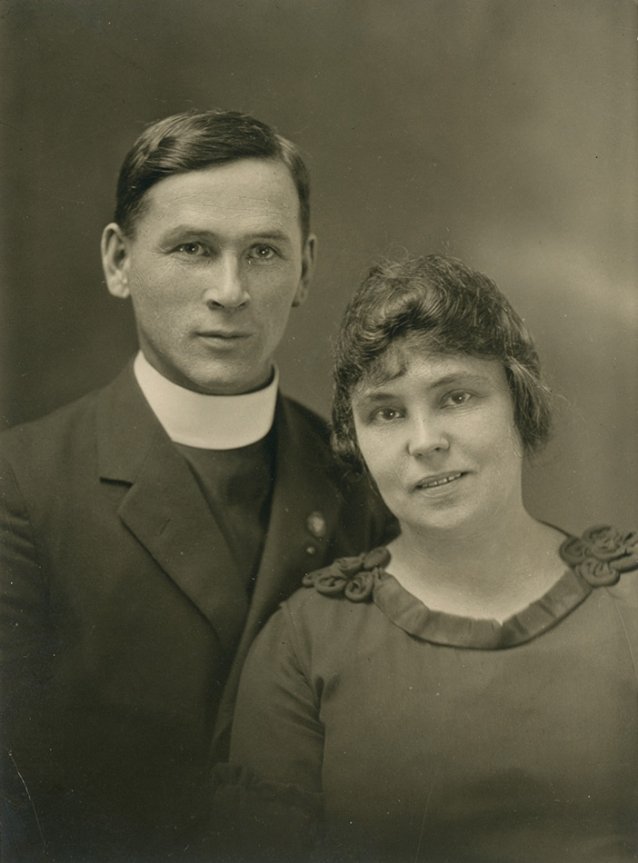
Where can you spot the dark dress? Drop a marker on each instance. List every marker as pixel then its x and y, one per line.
pixel 387 731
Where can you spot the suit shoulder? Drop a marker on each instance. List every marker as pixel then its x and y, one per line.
pixel 309 417
pixel 60 417
pixel 58 438
pixel 312 433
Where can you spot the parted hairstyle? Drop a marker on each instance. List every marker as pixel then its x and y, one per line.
pixel 200 139
pixel 447 308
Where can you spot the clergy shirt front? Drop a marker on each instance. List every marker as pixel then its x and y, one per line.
pixel 229 444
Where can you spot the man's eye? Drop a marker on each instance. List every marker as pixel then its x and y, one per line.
pixel 261 253
pixel 193 249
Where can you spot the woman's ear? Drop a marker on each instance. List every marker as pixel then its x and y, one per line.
pixel 115 260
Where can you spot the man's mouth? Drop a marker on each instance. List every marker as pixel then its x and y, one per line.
pixel 436 481
pixel 227 335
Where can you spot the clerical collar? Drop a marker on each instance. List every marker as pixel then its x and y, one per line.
pixel 207 422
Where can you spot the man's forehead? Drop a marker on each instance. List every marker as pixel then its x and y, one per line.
pixel 252 190
pixel 246 177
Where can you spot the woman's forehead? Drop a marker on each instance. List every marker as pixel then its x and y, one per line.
pixel 410 356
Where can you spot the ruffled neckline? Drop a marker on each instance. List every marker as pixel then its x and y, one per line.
pixel 596 559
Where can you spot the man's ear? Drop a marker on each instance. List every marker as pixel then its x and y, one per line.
pixel 308 259
pixel 115 260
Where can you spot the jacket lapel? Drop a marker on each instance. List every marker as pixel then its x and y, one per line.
pixel 303 516
pixel 304 511
pixel 164 508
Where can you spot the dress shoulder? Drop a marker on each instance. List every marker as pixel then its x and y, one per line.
pixel 602 554
pixel 351 578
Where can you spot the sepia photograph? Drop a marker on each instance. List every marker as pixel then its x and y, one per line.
pixel 318 431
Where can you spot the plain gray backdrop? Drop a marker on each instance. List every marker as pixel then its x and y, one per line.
pixel 500 131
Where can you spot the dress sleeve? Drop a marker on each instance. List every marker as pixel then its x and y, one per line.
pixel 276 730
pixel 267 802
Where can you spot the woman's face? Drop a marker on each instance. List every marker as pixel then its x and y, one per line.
pixel 437 434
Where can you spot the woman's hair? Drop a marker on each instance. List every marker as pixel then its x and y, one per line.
pixel 454 310
pixel 195 140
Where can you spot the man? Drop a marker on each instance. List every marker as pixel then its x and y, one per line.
pixel 149 529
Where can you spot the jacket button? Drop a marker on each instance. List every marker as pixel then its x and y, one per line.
pixel 311 549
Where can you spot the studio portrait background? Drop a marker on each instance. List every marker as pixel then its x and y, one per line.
pixel 500 131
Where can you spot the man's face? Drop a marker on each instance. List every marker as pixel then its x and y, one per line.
pixel 216 263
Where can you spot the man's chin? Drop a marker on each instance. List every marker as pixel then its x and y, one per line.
pixel 228 383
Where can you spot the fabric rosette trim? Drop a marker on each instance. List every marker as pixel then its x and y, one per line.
pixel 599 557
pixel 352 577
pixel 601 554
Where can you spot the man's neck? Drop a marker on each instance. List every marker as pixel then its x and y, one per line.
pixel 205 421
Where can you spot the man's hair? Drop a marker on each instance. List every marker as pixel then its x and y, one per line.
pixel 449 309
pixel 199 139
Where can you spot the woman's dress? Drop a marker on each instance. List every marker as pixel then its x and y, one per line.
pixel 378 730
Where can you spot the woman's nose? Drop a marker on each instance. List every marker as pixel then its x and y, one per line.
pixel 427 435
pixel 225 289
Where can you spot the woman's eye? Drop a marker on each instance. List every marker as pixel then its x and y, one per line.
pixel 192 249
pixel 457 398
pixel 385 415
pixel 261 253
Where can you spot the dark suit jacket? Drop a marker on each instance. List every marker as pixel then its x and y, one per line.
pixel 124 622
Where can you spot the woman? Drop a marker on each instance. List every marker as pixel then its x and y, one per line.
pixel 470 692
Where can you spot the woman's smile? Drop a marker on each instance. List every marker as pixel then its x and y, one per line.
pixel 431 482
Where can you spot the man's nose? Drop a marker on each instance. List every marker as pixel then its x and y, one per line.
pixel 427 434
pixel 225 289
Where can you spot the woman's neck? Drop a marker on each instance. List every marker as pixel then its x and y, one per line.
pixel 491 571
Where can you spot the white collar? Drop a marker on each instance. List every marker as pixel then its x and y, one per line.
pixel 207 422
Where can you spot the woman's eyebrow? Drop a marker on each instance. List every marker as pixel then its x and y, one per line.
pixel 459 377
pixel 374 396
pixel 378 391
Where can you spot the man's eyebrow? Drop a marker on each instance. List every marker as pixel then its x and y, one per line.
pixel 280 236
pixel 197 230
